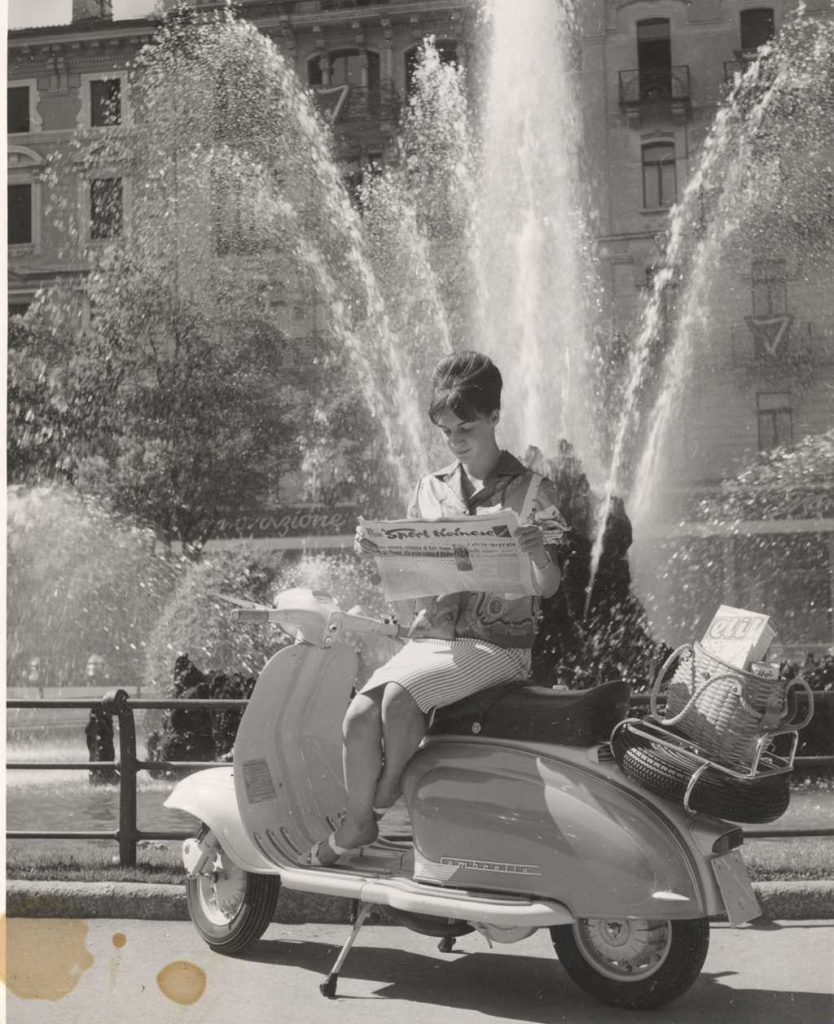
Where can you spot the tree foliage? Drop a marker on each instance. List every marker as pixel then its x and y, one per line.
pixel 187 372
pixel 154 407
pixel 789 482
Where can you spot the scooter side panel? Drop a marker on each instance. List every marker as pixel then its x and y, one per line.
pixel 288 756
pixel 492 818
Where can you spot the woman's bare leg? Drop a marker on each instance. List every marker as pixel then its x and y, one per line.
pixel 362 760
pixel 403 728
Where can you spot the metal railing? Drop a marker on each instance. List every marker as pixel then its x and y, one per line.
pixel 314 6
pixel 119 704
pixel 340 5
pixel 657 86
pixel 353 104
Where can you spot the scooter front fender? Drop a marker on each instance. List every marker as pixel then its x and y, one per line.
pixel 210 796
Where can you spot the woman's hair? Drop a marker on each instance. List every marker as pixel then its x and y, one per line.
pixel 468 384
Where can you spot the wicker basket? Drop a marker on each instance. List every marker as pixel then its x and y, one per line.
pixel 723 709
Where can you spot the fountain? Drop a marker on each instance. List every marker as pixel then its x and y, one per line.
pixel 83 587
pixel 401 277
pixel 537 284
pixel 761 192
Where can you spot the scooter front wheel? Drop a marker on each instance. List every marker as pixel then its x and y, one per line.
pixel 636 964
pixel 231 908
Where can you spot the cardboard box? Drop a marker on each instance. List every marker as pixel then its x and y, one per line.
pixel 739 637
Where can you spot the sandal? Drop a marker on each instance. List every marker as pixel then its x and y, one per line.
pixel 333 853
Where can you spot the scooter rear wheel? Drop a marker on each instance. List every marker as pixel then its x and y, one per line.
pixel 231 908
pixel 630 963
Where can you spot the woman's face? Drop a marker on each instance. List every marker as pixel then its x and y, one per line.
pixel 470 441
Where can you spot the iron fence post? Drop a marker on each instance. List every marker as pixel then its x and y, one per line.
pixel 117 702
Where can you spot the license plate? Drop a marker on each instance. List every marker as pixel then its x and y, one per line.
pixel 739 899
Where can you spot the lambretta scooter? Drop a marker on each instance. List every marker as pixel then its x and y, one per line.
pixel 520 820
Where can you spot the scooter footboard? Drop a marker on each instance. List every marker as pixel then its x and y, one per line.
pixel 210 796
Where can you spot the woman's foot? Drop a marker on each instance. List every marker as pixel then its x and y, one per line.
pixel 343 842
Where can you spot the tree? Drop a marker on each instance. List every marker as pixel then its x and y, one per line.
pixel 184 390
pixel 155 408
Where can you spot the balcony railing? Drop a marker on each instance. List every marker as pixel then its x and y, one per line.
pixel 350 104
pixel 656 86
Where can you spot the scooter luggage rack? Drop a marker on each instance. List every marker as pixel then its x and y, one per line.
pixel 766 762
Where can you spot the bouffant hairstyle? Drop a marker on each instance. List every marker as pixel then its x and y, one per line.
pixel 468 384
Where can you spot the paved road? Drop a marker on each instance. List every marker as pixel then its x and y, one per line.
pixel 779 972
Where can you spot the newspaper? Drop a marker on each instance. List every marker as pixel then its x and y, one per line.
pixel 419 557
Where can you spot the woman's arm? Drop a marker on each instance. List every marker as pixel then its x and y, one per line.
pixel 546 571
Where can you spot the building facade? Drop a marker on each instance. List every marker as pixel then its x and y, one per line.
pixel 653 74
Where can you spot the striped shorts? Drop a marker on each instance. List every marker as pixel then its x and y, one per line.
pixel 439 672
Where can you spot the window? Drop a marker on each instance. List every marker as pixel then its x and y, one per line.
pixel 23 191
pixel 654 58
pixel 343 67
pixel 315 74
pixel 17 109
pixel 17 306
pixel 105 208
pixel 19 214
pixel 775 419
pixel 22 115
pixel 659 175
pixel 770 290
pixel 447 50
pixel 105 102
pixel 346 67
pixel 757 27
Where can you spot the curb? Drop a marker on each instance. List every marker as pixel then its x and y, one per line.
pixel 780 901
pixel 795 901
pixel 150 902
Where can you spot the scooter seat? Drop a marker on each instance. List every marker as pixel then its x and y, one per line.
pixel 520 711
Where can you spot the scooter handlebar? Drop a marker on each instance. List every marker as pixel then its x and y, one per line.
pixel 340 622
pixel 255 615
pixel 345 622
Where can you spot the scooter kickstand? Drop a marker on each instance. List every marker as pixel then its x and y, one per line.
pixel 328 986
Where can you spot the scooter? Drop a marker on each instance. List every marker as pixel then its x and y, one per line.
pixel 521 819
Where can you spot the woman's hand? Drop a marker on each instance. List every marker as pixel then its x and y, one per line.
pixel 363 547
pixel 530 540
pixel 421 625
pixel 546 572
pixel 436 618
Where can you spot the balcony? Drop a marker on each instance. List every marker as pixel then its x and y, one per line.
pixel 658 92
pixel 349 105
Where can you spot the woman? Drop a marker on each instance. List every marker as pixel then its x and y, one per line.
pixel 460 643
